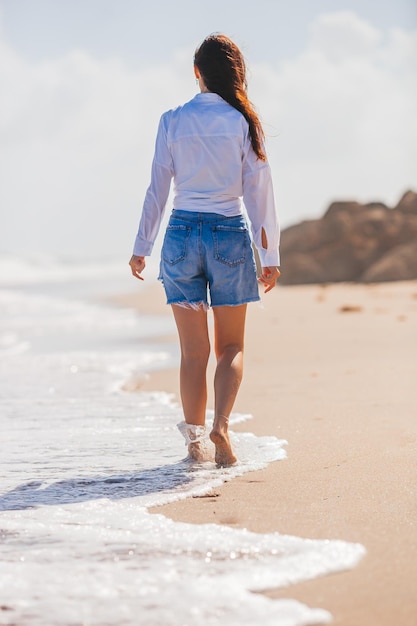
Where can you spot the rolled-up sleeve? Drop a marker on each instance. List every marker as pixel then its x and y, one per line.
pixel 259 201
pixel 157 193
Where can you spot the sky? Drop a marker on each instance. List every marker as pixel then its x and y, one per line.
pixel 84 82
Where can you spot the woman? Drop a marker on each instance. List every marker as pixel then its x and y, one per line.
pixel 213 148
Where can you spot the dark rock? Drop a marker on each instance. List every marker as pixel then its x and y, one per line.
pixel 302 269
pixel 352 242
pixel 342 207
pixel 400 263
pixel 408 203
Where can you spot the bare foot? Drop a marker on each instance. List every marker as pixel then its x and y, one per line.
pixel 220 437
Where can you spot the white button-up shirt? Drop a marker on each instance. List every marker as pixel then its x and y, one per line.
pixel 205 147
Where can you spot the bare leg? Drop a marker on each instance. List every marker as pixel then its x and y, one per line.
pixel 229 328
pixel 195 351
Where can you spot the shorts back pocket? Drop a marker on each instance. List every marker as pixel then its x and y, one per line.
pixel 230 244
pixel 174 248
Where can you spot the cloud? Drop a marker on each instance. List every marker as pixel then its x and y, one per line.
pixel 344 34
pixel 77 133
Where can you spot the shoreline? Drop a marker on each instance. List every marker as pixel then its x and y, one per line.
pixel 337 383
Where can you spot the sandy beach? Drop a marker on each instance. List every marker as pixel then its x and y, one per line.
pixel 332 370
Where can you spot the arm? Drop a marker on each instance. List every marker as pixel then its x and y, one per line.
pixel 258 197
pixel 155 200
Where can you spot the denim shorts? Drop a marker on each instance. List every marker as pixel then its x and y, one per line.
pixel 208 253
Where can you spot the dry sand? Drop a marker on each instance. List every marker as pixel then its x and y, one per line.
pixel 333 370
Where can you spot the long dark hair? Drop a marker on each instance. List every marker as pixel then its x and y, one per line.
pixel 222 67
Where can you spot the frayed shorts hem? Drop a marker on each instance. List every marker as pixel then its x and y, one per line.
pixel 245 301
pixel 196 305
pixel 200 304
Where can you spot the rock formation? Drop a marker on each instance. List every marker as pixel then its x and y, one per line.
pixel 353 242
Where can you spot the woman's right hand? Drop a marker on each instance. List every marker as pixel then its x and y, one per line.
pixel 137 265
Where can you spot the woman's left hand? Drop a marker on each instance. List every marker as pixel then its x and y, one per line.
pixel 269 277
pixel 137 265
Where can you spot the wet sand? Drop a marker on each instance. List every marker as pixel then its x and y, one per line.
pixel 333 370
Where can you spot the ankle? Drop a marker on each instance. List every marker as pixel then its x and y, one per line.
pixel 221 422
